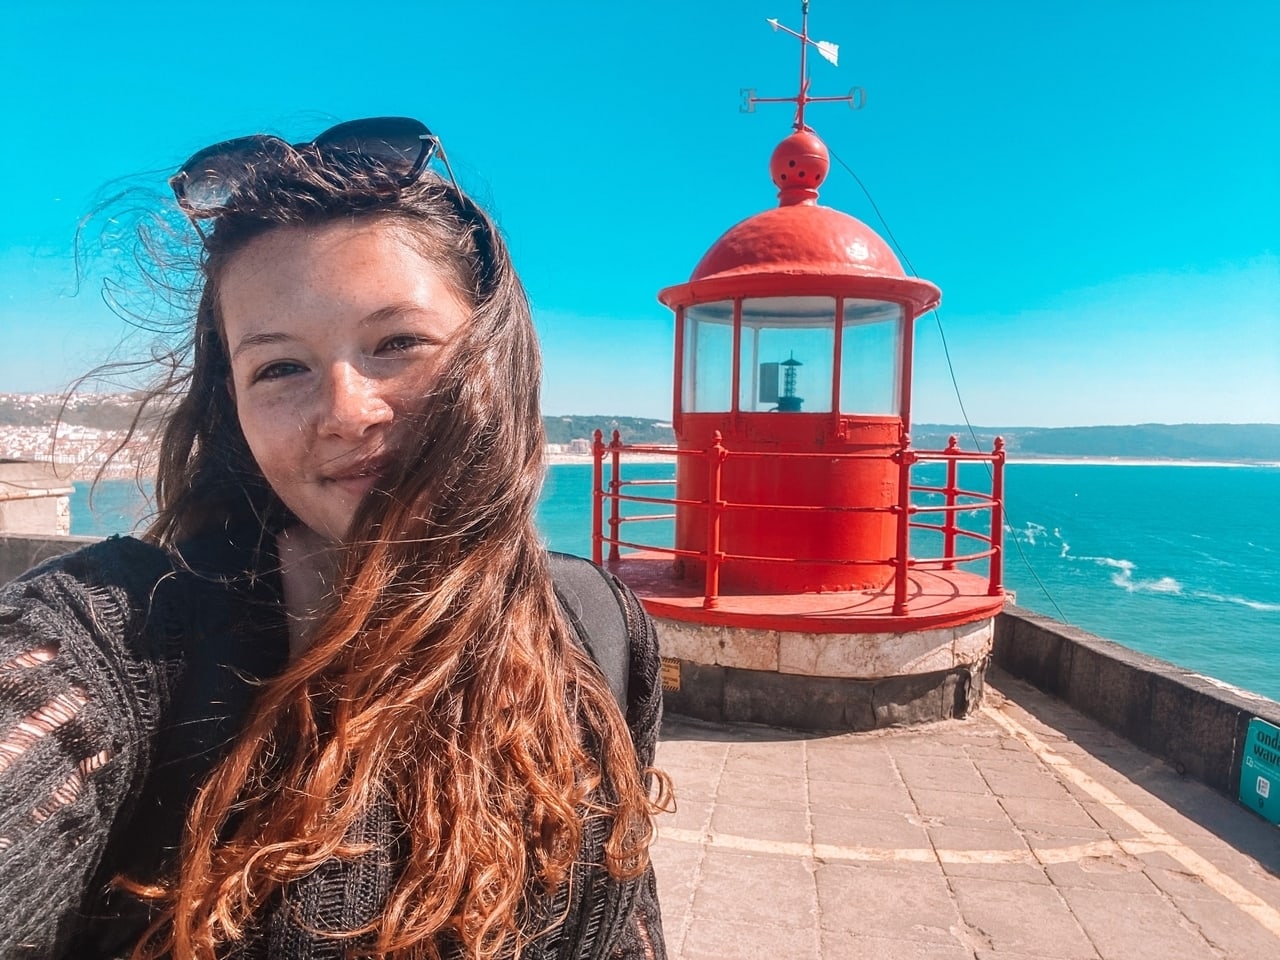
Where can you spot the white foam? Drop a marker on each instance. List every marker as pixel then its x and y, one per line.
pixel 1032 531
pixel 1260 605
pixel 1125 565
pixel 1124 577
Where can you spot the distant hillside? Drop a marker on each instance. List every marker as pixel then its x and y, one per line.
pixel 1145 441
pixel 633 429
pixel 1156 441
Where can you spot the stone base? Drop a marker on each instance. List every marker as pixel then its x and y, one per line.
pixel 856 654
pixel 820 703
pixel 823 681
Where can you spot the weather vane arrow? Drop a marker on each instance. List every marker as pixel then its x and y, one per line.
pixel 828 51
pixel 856 97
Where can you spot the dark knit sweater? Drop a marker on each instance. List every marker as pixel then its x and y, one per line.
pixel 123 675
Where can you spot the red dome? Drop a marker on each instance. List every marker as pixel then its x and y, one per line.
pixel 799 239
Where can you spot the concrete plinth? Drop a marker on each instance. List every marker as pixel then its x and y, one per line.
pixel 823 681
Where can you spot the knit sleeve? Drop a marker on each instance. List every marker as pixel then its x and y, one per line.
pixel 83 669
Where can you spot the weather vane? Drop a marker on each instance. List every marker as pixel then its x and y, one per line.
pixel 856 96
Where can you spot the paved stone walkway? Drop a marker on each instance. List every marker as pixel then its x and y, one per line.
pixel 1026 832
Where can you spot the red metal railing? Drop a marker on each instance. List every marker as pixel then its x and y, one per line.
pixel 955 500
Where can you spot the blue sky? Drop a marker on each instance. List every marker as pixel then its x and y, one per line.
pixel 1094 186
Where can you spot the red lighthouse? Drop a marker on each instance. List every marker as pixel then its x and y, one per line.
pixel 790 594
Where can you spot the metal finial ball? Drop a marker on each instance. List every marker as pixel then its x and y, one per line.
pixel 799 164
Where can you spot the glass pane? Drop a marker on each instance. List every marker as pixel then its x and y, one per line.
pixel 870 357
pixel 786 354
pixel 708 353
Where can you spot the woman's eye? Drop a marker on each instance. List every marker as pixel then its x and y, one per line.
pixel 277 371
pixel 399 344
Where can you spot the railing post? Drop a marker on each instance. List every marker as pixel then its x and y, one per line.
pixel 615 489
pixel 949 523
pixel 597 497
pixel 901 560
pixel 996 586
pixel 716 454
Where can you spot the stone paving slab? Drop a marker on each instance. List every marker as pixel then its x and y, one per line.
pixel 1025 832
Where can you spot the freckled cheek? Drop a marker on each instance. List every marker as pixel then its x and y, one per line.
pixel 409 392
pixel 279 443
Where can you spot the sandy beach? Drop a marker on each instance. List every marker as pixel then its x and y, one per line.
pixel 559 459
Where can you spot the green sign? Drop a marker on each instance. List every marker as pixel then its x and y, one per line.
pixel 1260 770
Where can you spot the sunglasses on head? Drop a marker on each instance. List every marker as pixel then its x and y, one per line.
pixel 400 146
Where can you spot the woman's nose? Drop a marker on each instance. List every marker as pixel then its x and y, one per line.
pixel 354 404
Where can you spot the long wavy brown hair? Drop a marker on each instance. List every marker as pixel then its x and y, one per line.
pixel 444 678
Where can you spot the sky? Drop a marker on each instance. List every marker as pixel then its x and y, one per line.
pixel 1095 186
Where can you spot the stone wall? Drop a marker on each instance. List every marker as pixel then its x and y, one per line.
pixel 1194 722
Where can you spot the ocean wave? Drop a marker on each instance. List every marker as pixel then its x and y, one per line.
pixel 1124 578
pixel 1124 570
pixel 1261 605
pixel 1032 531
pixel 1125 566
pixel 1162 585
pixel 1209 558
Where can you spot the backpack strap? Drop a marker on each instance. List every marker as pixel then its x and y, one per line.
pixel 597 610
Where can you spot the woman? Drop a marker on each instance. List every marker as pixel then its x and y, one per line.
pixel 332 706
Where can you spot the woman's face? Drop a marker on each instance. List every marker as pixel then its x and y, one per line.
pixel 335 335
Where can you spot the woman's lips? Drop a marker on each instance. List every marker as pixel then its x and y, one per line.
pixel 357 486
pixel 361 478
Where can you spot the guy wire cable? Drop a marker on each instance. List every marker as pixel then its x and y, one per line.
pixel 946 352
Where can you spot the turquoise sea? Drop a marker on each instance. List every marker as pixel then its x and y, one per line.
pixel 1180 562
